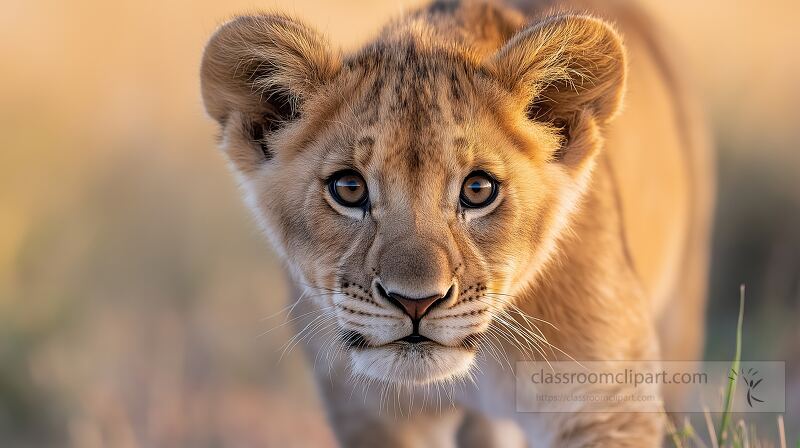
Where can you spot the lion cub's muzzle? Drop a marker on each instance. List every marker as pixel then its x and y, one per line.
pixel 414 307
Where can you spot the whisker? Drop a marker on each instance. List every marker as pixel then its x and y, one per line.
pixel 283 324
pixel 518 309
pixel 290 307
pixel 300 334
pixel 538 334
pixel 322 326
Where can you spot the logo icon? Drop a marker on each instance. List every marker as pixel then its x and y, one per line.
pixel 751 379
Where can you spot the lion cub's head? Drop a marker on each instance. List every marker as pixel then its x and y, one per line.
pixel 415 186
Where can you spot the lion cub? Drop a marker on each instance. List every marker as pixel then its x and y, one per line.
pixel 472 171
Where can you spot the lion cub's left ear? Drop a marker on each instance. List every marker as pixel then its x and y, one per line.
pixel 570 71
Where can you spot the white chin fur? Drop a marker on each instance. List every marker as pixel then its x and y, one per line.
pixel 408 364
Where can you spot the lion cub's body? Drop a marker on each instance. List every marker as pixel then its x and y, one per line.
pixel 616 239
pixel 657 162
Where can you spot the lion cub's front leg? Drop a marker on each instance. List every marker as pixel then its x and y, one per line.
pixel 623 430
pixel 581 428
pixel 368 417
pixel 361 430
pixel 479 431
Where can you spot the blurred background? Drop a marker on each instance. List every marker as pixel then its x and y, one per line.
pixel 135 288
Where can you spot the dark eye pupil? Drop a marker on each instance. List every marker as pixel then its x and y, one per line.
pixel 479 190
pixel 348 189
pixel 349 184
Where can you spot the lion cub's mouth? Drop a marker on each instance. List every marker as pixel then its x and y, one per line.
pixel 415 339
pixel 356 341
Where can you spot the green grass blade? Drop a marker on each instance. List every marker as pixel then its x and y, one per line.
pixel 731 389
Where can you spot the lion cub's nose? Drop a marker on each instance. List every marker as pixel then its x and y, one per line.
pixel 414 307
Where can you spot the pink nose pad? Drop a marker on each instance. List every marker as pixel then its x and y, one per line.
pixel 415 308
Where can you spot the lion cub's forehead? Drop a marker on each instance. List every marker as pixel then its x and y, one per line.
pixel 427 86
pixel 411 109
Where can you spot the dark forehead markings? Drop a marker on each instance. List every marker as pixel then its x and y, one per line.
pixel 415 103
pixel 457 97
pixel 455 86
pixel 412 88
pixel 372 100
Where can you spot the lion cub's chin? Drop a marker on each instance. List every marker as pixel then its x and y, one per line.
pixel 406 363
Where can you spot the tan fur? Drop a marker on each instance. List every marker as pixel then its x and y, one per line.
pixel 600 227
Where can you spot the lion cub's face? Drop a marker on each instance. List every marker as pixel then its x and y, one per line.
pixel 412 190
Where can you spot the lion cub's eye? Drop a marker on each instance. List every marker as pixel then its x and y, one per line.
pixel 348 188
pixel 479 190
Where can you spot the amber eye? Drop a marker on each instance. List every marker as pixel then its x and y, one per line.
pixel 348 188
pixel 479 190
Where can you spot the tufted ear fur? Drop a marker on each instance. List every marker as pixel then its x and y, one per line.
pixel 570 70
pixel 258 70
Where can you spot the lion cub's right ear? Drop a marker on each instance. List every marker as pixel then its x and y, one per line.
pixel 256 73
